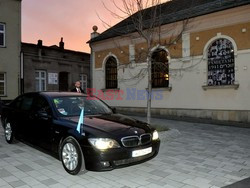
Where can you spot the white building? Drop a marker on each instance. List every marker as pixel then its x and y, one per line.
pixel 205 74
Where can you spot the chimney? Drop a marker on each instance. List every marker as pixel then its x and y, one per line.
pixel 61 44
pixel 39 43
pixel 94 33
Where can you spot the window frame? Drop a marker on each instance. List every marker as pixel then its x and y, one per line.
pixel 111 73
pixel 84 81
pixel 228 74
pixel 162 76
pixel 4 82
pixel 4 34
pixel 40 79
pixel 43 107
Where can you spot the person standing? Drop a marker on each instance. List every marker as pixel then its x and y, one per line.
pixel 77 88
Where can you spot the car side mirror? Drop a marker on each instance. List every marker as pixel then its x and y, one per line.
pixel 42 114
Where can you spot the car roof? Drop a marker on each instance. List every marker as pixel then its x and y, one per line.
pixel 58 94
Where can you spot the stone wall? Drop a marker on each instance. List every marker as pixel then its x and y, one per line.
pixel 226 117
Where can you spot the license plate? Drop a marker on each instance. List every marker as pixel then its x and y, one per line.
pixel 141 152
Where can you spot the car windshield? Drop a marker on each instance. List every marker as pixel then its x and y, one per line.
pixel 72 106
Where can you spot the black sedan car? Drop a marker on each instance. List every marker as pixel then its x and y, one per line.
pixel 82 131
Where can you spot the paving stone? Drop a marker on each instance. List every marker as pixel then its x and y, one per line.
pixel 217 183
pixel 152 185
pixel 4 173
pixel 156 182
pixel 209 166
pixel 159 173
pixel 168 161
pixel 172 183
pixel 30 181
pixel 189 186
pixel 18 151
pixel 76 186
pixel 58 185
pixel 6 186
pixel 17 183
pixel 49 182
pixel 177 177
pixel 10 178
pixel 196 160
pixel 19 174
pixel 66 182
pixel 42 162
pixel 181 170
pixel 237 173
pixel 2 183
pixel 202 155
pixel 2 156
pixel 11 169
pixel 40 186
pixel 24 168
pixel 200 169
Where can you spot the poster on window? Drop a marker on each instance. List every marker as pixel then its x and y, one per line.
pixel 221 63
pixel 53 78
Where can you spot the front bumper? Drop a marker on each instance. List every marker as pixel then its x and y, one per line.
pixel 96 160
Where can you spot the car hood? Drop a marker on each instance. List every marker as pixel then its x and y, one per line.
pixel 114 124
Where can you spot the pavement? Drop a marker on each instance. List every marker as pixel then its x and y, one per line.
pixel 192 155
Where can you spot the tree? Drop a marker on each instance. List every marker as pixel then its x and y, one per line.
pixel 143 17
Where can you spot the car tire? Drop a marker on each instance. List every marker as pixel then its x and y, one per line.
pixel 9 132
pixel 72 157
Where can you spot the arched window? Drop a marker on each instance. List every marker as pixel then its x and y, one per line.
pixel 160 69
pixel 221 63
pixel 111 73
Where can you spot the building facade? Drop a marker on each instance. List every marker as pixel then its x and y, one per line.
pixel 53 68
pixel 10 47
pixel 205 74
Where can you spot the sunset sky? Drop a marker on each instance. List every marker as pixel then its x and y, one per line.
pixel 49 20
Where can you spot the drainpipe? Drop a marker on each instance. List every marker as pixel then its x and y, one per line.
pixel 21 74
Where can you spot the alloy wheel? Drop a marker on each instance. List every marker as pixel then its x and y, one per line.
pixel 70 156
pixel 8 132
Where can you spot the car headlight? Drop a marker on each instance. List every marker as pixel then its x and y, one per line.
pixel 155 135
pixel 103 143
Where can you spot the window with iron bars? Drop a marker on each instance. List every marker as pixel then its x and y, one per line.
pixel 111 73
pixel 160 69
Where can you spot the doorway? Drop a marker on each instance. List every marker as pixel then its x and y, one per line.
pixel 63 81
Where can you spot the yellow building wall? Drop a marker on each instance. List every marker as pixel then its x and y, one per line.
pixel 242 39
pixel 175 50
pixel 122 53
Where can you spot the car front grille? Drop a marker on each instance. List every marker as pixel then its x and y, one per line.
pixel 145 138
pixel 133 141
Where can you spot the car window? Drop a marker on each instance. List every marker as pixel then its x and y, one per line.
pixel 26 103
pixel 41 104
pixel 17 103
pixel 71 106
